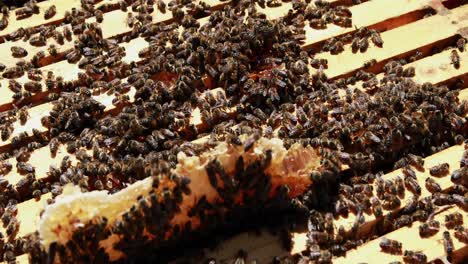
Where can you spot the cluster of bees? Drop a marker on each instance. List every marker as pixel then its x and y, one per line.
pixel 267 90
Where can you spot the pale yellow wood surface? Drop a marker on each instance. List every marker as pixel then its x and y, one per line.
pixel 410 239
pixel 401 40
pixel 451 155
pixel 38 19
pixel 444 73
pixel 114 23
pixel 435 69
pixel 368 14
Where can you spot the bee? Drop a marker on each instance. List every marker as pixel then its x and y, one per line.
pixel 377 209
pixel 412 185
pixel 14 86
pixel 441 199
pixel 23 115
pixel 404 220
pixel 25 168
pixel 130 20
pixel 416 161
pixel 429 228
pixel 363 45
pixel 22 13
pixel 13 72
pixel 461 43
pixel 453 220
pixel 161 6
pixel 3 22
pixel 32 86
pixel 18 52
pixel 400 186
pixel 461 201
pixel 50 82
pixel 59 38
pixel 440 170
pixel 5 167
pixel 99 16
pixel 448 244
pixel 391 202
pixel 35 75
pixel 53 146
pixel 273 3
pixel 414 257
pixel 12 228
pixel 67 33
pixel 376 38
pixel 390 246
pixel 50 12
pixel 461 234
pixel 355 44
pixel 123 5
pixel 36 59
pixel 432 186
pixel 369 63
pixel 38 41
pixel 457 176
pixel 317 63
pixel 455 59
pixel 52 50
pixel 409 173
pixel 336 48
pixel 73 56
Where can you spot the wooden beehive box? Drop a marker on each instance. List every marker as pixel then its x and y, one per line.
pixel 406 28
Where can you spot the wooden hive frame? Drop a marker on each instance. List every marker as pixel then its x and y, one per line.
pixel 405 30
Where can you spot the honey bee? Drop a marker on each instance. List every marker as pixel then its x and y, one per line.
pixel 369 63
pixel 455 59
pixel 38 41
pixel 376 38
pixel 13 72
pixel 453 220
pixel 461 43
pixel 432 186
pixel 429 228
pixel 35 75
pixel 14 86
pixel 33 87
pixel 50 12
pixel 67 33
pixel 23 115
pixel 161 6
pixel 390 246
pixel 3 23
pixel 412 185
pixel 99 16
pixel 448 245
pixel 415 257
pixel 440 170
pixel 52 50
pixel 461 234
pixel 363 45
